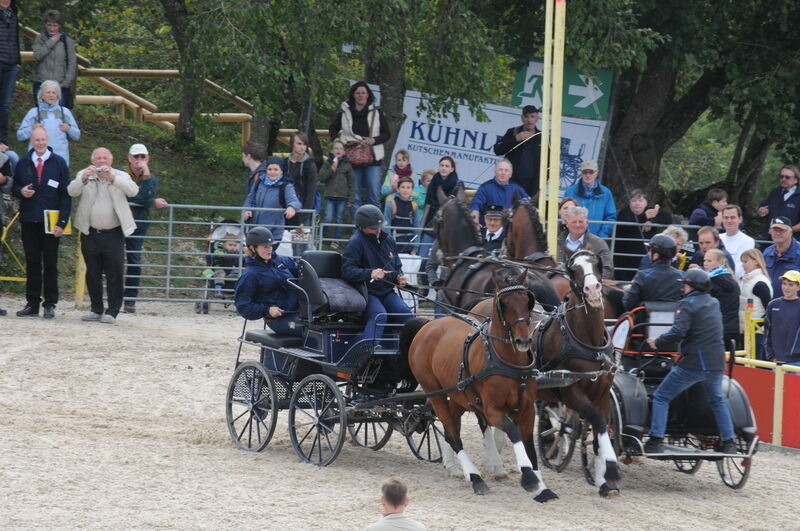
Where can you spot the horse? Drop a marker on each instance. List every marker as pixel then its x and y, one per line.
pixel 484 367
pixel 575 338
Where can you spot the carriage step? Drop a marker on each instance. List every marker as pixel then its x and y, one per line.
pixel 633 429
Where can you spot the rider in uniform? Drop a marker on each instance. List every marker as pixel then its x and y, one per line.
pixel 495 233
pixel 658 283
pixel 698 331
pixel 371 256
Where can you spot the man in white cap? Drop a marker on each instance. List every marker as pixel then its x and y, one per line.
pixel 784 254
pixel 595 197
pixel 139 170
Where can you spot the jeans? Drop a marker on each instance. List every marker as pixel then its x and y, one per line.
pixel 66 95
pixel 677 381
pixel 425 244
pixel 104 252
pixel 41 264
pixel 369 177
pixel 334 213
pixel 13 159
pixel 133 256
pixel 377 307
pixel 8 78
pixel 282 325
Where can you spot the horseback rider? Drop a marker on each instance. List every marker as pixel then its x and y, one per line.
pixel 698 331
pixel 371 256
pixel 660 282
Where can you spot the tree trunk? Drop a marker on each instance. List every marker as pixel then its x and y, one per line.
pixel 260 129
pixel 191 82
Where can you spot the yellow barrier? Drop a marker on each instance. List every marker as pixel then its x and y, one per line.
pixel 4 241
pixel 80 275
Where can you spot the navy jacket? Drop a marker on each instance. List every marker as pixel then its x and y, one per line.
pixel 778 265
pixel 659 283
pixel 696 333
pixel 51 194
pixel 789 208
pixel 496 244
pixel 703 215
pixel 524 158
pixel 365 252
pixel 263 284
pixel 726 290
pixel 782 329
pixel 140 203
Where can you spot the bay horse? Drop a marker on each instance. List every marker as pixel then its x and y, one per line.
pixel 575 338
pixel 484 367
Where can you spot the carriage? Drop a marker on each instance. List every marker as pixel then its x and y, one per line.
pixel 691 435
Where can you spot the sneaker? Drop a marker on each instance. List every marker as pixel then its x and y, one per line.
pixel 654 445
pixel 28 311
pixel 129 307
pixel 107 319
pixel 49 312
pixel 91 316
pixel 729 446
pixel 3 312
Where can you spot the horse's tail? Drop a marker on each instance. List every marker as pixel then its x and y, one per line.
pixel 407 334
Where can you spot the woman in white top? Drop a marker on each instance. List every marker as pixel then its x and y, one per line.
pixel 756 286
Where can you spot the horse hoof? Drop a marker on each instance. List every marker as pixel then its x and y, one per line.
pixel 545 496
pixel 612 471
pixel 529 481
pixel 479 486
pixel 608 491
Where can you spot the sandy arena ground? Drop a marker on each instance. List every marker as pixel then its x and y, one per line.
pixel 124 426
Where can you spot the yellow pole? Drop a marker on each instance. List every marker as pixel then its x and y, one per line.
pixel 749 331
pixel 777 407
pixel 80 275
pixel 545 110
pixel 555 130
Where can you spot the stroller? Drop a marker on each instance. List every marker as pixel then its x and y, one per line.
pixel 223 264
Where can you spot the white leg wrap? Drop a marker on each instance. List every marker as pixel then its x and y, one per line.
pixel 606 450
pixel 449 461
pixel 493 460
pixel 599 471
pixel 542 486
pixel 522 456
pixel 466 465
pixel 500 439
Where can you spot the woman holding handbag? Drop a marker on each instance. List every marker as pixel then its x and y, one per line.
pixel 364 130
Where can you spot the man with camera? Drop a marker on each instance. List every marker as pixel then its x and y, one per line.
pixel 105 219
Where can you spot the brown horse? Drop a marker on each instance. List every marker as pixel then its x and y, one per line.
pixel 486 368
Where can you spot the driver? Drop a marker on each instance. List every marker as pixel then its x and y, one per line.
pixel 698 331
pixel 371 256
pixel 261 291
pixel 658 283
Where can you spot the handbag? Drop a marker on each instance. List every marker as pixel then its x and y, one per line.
pixel 359 154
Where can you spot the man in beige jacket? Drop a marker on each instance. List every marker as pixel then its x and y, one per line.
pixel 104 219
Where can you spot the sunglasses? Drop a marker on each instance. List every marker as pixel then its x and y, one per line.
pixel 777 229
pixel 139 156
pixel 786 176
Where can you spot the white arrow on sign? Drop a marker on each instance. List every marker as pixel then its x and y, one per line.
pixel 590 92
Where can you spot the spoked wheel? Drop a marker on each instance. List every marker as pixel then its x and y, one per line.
pixel 426 436
pixel 557 431
pixel 251 409
pixel 688 466
pixel 370 434
pixel 317 420
pixel 734 471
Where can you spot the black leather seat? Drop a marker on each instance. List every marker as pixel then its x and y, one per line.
pixel 328 294
pixel 271 339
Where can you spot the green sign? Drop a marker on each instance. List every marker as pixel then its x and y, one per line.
pixel 584 96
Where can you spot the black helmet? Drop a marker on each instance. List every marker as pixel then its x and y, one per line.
pixel 697 278
pixel 369 217
pixel 663 245
pixel 259 236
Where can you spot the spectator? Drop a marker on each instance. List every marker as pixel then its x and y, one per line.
pixel 41 184
pixel 401 168
pixel 629 245
pixel 104 218
pixel 498 191
pixel 57 120
pixel 224 263
pixel 781 324
pixel 446 180
pixel 404 213
pixel 9 65
pixel 302 172
pixel 784 200
pixel 595 197
pixel 784 254
pixel 6 187
pixel 56 59
pixel 735 241
pixel 563 207
pixel 253 159
pixel 261 291
pixel 708 238
pixel 659 282
pixel 726 290
pixel 421 189
pixel 359 121
pixel 138 169
pixel 755 286
pixel 394 501
pixel 494 235
pixel 272 190
pixel 681 260
pixel 340 187
pixel 709 212
pixel 578 237
pixel 522 145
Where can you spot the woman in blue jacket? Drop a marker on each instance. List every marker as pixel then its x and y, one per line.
pixel 261 291
pixel 272 190
pixel 58 121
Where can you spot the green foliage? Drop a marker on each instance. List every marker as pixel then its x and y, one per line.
pixel 701 158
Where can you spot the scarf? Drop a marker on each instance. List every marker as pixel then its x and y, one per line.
pixel 266 181
pixel 718 271
pixel 404 172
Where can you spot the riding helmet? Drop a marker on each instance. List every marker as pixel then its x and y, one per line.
pixel 663 245
pixel 259 236
pixel 698 279
pixel 369 217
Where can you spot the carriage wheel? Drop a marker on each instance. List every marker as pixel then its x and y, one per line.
pixel 688 466
pixel 251 406
pixel 613 423
pixel 370 434
pixel 554 421
pixel 734 471
pixel 317 420
pixel 426 440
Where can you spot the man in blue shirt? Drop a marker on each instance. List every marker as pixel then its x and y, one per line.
pixel 784 254
pixel 499 191
pixel 782 323
pixel 595 197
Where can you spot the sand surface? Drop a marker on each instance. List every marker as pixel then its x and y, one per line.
pixel 124 426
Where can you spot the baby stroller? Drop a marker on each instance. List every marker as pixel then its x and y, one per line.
pixel 223 264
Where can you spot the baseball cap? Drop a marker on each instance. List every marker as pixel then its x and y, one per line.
pixel 493 210
pixel 138 149
pixel 791 276
pixel 589 165
pixel 781 220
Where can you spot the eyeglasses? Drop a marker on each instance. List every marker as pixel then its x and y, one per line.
pixel 139 156
pixel 588 171
pixel 782 176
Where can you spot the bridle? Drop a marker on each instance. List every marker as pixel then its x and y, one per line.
pixel 507 327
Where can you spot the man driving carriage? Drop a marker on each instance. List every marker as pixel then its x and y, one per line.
pixel 660 282
pixel 371 257
pixel 697 331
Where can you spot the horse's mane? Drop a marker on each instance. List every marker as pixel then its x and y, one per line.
pixel 533 214
pixel 463 209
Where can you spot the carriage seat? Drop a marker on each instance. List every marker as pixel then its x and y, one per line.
pixel 273 340
pixel 661 312
pixel 321 278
